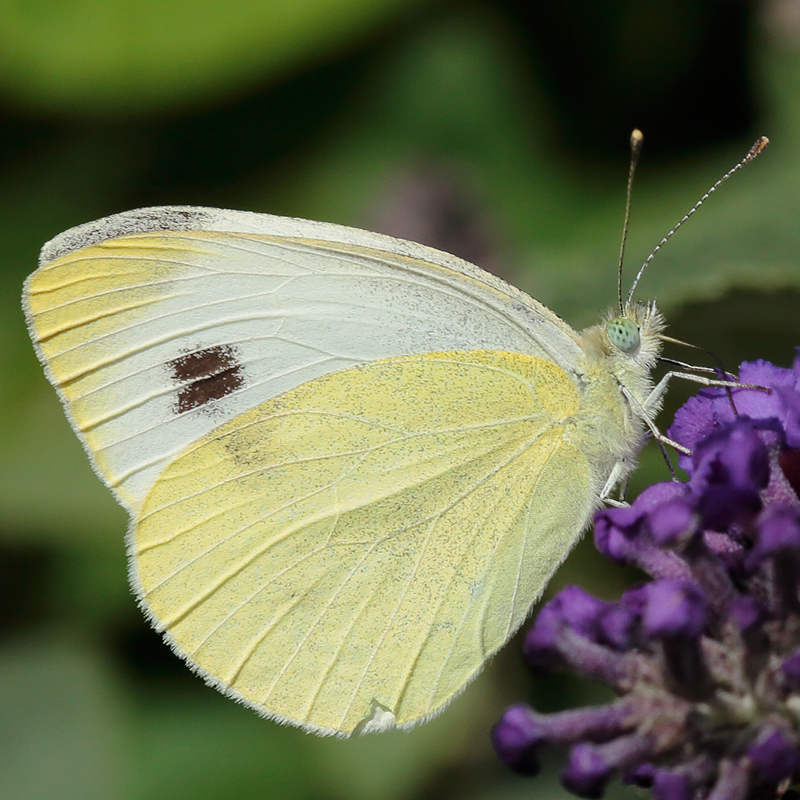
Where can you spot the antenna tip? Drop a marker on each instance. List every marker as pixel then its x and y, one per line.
pixel 637 137
pixel 759 145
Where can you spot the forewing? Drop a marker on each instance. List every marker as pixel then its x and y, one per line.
pixel 157 326
pixel 367 540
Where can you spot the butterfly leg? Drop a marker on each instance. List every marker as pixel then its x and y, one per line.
pixel 647 411
pixel 652 403
pixel 617 477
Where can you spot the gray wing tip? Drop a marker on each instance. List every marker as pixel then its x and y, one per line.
pixel 140 220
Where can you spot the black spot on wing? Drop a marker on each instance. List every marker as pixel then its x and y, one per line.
pixel 205 375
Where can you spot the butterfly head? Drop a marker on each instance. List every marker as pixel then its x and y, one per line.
pixel 626 345
pixel 634 335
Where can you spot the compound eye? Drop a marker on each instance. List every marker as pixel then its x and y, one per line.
pixel 624 334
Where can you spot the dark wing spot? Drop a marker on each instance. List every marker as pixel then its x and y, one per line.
pixel 205 375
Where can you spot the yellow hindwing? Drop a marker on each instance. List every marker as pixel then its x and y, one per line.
pixel 371 536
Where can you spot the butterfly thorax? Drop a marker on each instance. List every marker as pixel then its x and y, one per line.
pixel 614 385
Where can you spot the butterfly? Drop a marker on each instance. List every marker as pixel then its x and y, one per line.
pixel 351 462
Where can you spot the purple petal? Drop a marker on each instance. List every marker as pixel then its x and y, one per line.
pixel 587 772
pixel 590 766
pixel 775 754
pixel 733 455
pixel 658 494
pixel 725 545
pixel 579 609
pixel 669 785
pixel 747 612
pixel 615 532
pixel 711 409
pixel 782 403
pixel 673 523
pixel 572 607
pixel 700 416
pixel 521 731
pixel 540 647
pixel 725 505
pixel 615 625
pixel 623 535
pixel 731 466
pixel 675 609
pixel 515 738
pixel 778 535
pixel 791 669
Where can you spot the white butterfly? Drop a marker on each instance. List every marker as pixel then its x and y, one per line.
pixel 351 462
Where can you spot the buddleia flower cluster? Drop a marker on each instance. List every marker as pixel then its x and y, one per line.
pixel 705 657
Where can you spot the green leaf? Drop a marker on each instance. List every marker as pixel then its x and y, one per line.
pixel 99 57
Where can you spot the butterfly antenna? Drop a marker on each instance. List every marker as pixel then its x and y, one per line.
pixel 636 148
pixel 756 149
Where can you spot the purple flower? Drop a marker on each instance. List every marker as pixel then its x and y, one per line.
pixel 791 669
pixel 704 658
pixel 775 754
pixel 674 609
pixel 729 468
pixel 711 408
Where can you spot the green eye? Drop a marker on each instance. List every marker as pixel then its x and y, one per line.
pixel 623 333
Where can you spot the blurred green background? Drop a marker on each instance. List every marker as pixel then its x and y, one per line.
pixel 496 130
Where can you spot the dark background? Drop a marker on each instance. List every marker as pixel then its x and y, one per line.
pixel 496 130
